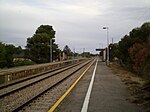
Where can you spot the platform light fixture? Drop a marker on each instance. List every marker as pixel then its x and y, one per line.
pixel 107 28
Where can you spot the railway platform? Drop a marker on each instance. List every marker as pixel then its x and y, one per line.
pixel 105 94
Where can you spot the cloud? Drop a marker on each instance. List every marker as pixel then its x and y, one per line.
pixel 78 23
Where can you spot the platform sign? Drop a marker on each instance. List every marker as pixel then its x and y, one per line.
pixel 99 49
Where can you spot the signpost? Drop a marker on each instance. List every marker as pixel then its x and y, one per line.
pixel 99 49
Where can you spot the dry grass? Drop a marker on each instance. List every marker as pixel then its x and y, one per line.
pixel 135 86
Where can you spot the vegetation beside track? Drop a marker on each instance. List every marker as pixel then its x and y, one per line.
pixel 133 50
pixel 132 53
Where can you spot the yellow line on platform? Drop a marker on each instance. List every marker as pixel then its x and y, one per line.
pixel 69 90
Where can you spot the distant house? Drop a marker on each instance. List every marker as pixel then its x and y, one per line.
pixel 66 53
pixel 65 57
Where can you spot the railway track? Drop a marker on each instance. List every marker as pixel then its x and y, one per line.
pixel 23 82
pixel 18 96
pixel 33 76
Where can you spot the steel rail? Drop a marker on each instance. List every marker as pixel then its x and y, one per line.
pixel 52 74
pixel 32 76
pixel 19 107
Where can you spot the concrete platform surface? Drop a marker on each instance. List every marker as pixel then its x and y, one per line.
pixel 108 94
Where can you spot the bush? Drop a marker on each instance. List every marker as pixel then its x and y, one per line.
pixel 23 62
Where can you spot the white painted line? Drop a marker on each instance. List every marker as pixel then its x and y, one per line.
pixel 87 98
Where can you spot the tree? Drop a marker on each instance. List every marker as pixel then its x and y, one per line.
pixel 2 55
pixel 123 46
pixel 38 48
pixel 6 55
pixel 133 50
pixel 139 53
pixel 67 51
pixel 47 29
pixel 140 34
pixel 113 49
pixel 10 50
pixel 39 44
pixel 137 35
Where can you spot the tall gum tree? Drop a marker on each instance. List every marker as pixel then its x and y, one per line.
pixel 39 44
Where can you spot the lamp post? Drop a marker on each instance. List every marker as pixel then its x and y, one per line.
pixel 51 58
pixel 107 28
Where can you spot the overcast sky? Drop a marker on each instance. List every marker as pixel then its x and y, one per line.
pixel 78 23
